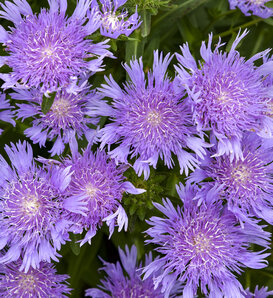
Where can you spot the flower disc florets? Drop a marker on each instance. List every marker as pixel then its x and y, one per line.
pixel 97 184
pixel 201 246
pixel 42 282
pixel 255 7
pixel 227 92
pixel 67 119
pixel 150 120
pixel 31 209
pixel 47 49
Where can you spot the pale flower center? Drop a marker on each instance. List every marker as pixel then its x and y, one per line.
pixel 27 282
pixel 91 190
pixel 258 2
pixel 201 243
pixel 61 107
pixel 223 97
pixel 240 174
pixel 154 118
pixel 31 204
pixel 47 52
pixel 110 21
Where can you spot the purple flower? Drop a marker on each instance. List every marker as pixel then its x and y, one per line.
pixel 249 7
pixel 150 120
pixel 68 117
pixel 114 23
pixel 227 92
pixel 6 114
pixel 202 246
pixel 129 285
pixel 42 282
pixel 47 49
pixel 97 185
pixel 247 184
pixel 258 293
pixel 31 208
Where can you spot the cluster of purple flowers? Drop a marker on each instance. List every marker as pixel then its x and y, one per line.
pixel 255 7
pixel 52 56
pixel 213 120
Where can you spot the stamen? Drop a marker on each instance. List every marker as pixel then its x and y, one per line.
pixel 61 107
pixel 154 118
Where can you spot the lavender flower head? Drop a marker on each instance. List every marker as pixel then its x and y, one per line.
pixel 202 246
pixel 246 185
pixel 6 114
pixel 68 119
pixel 113 22
pixel 219 101
pixel 150 120
pixel 31 208
pixel 258 293
pixel 97 185
pixel 131 285
pixel 42 282
pixel 249 7
pixel 47 49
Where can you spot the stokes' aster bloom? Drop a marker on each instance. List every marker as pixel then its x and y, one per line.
pixel 227 92
pixel 256 7
pixel 5 111
pixel 132 285
pixel 114 23
pixel 42 282
pixel 68 117
pixel 31 207
pixel 246 184
pixel 202 245
pixel 47 49
pixel 258 293
pixel 150 120
pixel 97 185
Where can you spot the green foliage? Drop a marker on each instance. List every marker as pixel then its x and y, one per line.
pixel 151 5
pixel 48 102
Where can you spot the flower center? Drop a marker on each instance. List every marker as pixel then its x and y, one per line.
pixel 154 118
pixel 47 52
pixel 241 174
pixel 201 243
pixel 31 204
pixel 110 21
pixel 27 282
pixel 223 97
pixel 258 2
pixel 61 107
pixel 91 190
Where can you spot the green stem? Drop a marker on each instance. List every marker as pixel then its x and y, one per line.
pixel 176 7
pixel 232 30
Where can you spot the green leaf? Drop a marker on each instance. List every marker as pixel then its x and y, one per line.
pixel 146 23
pixel 75 247
pixel 134 48
pixel 268 21
pixel 48 102
pixel 114 45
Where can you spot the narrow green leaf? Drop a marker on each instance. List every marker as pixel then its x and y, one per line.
pixel 146 23
pixel 48 102
pixel 75 247
pixel 134 48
